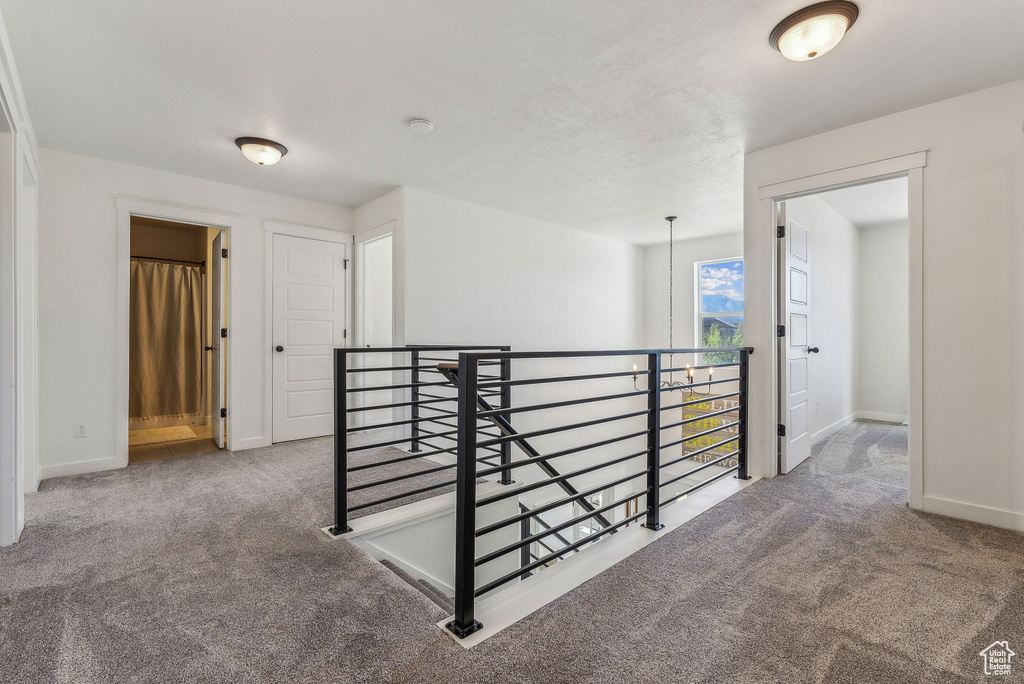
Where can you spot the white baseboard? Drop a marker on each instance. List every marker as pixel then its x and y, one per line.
pixel 94 465
pixel 250 443
pixel 884 417
pixel 832 429
pixel 997 517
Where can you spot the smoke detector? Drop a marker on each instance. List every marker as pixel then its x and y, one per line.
pixel 421 126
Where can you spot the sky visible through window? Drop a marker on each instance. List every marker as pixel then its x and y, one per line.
pixel 721 287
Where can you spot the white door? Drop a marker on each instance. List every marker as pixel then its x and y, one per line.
pixel 309 322
pixel 219 352
pixel 794 314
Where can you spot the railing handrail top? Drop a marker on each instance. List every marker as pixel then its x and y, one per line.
pixel 584 353
pixel 420 347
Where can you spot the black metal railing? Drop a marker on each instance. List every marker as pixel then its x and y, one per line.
pixel 634 453
pixel 417 410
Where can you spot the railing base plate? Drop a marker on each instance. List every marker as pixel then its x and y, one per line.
pixel 463 633
pixel 336 531
pixel 657 527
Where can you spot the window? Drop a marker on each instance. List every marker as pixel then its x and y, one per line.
pixel 719 307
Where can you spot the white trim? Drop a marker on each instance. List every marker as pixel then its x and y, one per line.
pixel 251 443
pixel 126 208
pixel 270 229
pixel 832 429
pixel 884 417
pixel 985 515
pixel 912 166
pixel 81 467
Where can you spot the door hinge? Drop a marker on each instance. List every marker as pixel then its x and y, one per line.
pixel 224 253
pixel 345 261
pixel 223 413
pixel 781 331
pixel 780 231
pixel 223 332
pixel 782 430
pixel 345 334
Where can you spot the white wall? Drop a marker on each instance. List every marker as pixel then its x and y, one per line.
pixel 78 297
pixel 685 254
pixel 973 279
pixel 883 370
pixel 832 324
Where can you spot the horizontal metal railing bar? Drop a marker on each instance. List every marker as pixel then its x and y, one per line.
pixel 705 383
pixel 734 364
pixel 563 378
pixel 699 468
pixel 542 523
pixel 443 412
pixel 560 404
pixel 697 435
pixel 546 559
pixel 719 476
pixel 552 529
pixel 572 450
pixel 454 398
pixel 377 407
pixel 447 436
pixel 479 430
pixel 700 417
pixel 384 369
pixel 410 421
pixel 553 480
pixel 384 388
pixel 401 459
pixel 698 452
pixel 396 497
pixel 399 478
pixel 702 400
pixel 421 347
pixel 474 355
pixel 392 442
pixel 561 428
pixel 456 359
pixel 487 529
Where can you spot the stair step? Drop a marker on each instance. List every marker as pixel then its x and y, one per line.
pixel 441 599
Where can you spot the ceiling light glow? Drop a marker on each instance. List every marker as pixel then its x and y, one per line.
pixel 261 151
pixel 813 31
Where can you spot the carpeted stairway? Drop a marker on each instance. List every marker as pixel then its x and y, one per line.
pixel 201 570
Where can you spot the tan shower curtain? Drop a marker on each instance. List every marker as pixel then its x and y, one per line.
pixel 166 345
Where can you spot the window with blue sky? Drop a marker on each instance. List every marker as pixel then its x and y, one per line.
pixel 719 305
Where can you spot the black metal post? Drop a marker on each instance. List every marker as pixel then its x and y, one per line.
pixel 741 444
pixel 465 622
pixel 524 533
pixel 414 380
pixel 506 402
pixel 654 442
pixel 340 443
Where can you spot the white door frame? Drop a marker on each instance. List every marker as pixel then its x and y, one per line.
pixel 127 208
pixel 270 229
pixel 360 240
pixel 912 167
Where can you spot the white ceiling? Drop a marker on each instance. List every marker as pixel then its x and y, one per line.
pixel 872 204
pixel 601 115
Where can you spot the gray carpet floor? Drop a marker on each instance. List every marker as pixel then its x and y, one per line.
pixel 212 568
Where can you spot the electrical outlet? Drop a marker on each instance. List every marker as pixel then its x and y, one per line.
pixel 81 430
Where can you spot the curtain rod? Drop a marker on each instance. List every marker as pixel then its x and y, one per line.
pixel 175 261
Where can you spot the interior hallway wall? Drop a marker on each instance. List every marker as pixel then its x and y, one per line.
pixel 883 377
pixel 686 254
pixel 973 279
pixel 78 295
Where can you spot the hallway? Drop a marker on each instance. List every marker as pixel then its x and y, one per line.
pixel 201 569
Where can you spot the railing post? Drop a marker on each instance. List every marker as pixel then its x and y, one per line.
pixel 741 443
pixel 340 443
pixel 654 442
pixel 414 381
pixel 506 402
pixel 465 623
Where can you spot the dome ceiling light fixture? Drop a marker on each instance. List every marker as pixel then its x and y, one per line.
pixel 813 31
pixel 421 126
pixel 261 151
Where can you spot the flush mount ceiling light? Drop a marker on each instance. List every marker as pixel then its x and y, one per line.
pixel 421 126
pixel 813 31
pixel 261 151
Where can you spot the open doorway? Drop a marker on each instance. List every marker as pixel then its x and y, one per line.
pixel 176 370
pixel 844 322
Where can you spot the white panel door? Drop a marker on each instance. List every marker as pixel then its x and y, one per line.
pixel 309 322
pixel 795 314
pixel 219 344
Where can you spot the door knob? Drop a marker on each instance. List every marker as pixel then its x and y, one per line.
pixel 279 348
pixel 812 350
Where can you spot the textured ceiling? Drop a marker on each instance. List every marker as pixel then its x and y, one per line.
pixel 871 204
pixel 601 115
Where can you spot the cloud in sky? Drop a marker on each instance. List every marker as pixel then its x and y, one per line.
pixel 722 278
